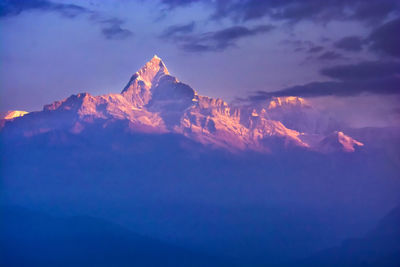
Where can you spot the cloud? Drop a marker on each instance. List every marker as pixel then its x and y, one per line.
pixel 211 41
pixel 297 10
pixel 313 89
pixel 386 38
pixel 304 45
pixel 112 29
pixel 350 43
pixel 16 7
pixel 374 10
pixel 374 77
pixel 226 36
pixel 330 55
pixel 315 49
pixel 371 11
pixel 177 30
pixel 324 11
pixel 178 3
pixel 363 71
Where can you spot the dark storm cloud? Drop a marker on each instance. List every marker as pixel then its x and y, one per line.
pixel 386 38
pixel 16 7
pixel 213 41
pixel 112 29
pixel 375 77
pixel 350 43
pixel 297 10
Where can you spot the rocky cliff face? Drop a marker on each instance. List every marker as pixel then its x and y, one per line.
pixel 154 101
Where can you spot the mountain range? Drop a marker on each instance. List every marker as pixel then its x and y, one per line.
pixel 154 101
pixel 179 178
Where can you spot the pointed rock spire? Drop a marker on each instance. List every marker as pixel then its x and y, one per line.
pixel 138 89
pixel 152 70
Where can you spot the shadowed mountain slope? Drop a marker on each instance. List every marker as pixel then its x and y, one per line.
pixel 36 239
pixel 379 247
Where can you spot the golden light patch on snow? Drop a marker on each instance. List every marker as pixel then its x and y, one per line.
pixel 347 142
pixel 287 101
pixel 14 114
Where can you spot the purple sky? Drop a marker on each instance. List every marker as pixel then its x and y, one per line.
pixel 344 54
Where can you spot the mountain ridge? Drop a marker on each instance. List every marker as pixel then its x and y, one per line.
pixel 154 101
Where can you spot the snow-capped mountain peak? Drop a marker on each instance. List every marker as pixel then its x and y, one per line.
pixel 138 89
pixel 152 70
pixel 338 141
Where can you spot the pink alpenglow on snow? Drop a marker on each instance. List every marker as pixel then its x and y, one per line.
pixel 154 101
